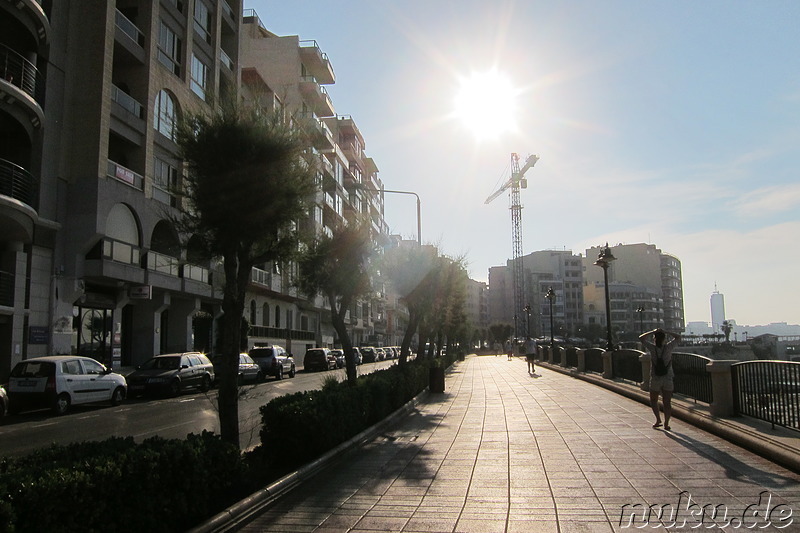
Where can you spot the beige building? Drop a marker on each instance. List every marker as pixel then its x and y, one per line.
pixel 645 289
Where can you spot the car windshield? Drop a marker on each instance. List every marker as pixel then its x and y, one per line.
pixel 261 352
pixel 162 363
pixel 33 369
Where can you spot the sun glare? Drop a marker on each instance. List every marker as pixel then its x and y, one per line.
pixel 485 103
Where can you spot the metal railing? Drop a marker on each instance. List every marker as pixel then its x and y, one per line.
pixel 129 28
pixel 572 357
pixel 125 175
pixel 121 252
pixel 195 273
pixel 626 365
pixel 692 379
pixel 768 390
pixel 21 73
pixel 165 264
pixel 18 183
pixel 281 333
pixel 594 360
pixel 127 102
pixel 6 289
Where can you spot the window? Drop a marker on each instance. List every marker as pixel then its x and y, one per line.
pixel 165 115
pixel 277 316
pixel 169 49
pixel 71 367
pixel 199 77
pixel 92 367
pixel 265 316
pixel 202 20
pixel 252 312
pixel 165 182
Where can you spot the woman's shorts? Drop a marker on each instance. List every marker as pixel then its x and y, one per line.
pixel 661 384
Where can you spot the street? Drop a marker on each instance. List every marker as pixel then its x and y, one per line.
pixel 140 418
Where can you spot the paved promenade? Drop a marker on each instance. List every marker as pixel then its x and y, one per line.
pixel 503 451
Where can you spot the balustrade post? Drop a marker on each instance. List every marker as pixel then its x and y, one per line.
pixel 562 353
pixel 608 364
pixel 582 361
pixel 644 359
pixel 721 387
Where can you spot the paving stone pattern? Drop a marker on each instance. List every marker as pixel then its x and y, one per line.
pixel 503 451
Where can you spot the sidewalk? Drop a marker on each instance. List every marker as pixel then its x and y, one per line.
pixel 502 451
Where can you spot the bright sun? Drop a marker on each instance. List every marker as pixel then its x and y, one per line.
pixel 485 103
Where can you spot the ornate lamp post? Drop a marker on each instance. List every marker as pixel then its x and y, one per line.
pixel 640 310
pixel 527 310
pixel 551 295
pixel 604 260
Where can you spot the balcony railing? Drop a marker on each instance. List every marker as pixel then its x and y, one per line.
pixel 125 175
pixel 121 252
pixel 225 59
pixel 163 263
pixel 262 277
pixel 127 102
pixel 768 390
pixel 129 28
pixel 18 183
pixel 21 73
pixel 195 273
pixel 6 289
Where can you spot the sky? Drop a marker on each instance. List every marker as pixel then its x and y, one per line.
pixel 672 123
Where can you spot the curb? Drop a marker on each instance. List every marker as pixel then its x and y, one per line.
pixel 749 439
pixel 244 509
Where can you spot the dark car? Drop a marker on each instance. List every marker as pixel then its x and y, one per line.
pixel 3 402
pixel 273 361
pixel 319 359
pixel 171 374
pixel 368 354
pixel 248 369
pixel 357 355
pixel 339 355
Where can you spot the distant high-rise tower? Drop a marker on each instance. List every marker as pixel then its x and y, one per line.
pixel 717 310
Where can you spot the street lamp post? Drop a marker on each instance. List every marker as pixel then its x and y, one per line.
pixel 419 219
pixel 604 260
pixel 551 295
pixel 640 310
pixel 527 310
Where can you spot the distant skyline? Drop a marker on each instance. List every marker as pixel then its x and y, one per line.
pixel 670 123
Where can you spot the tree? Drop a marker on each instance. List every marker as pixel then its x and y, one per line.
pixel 411 270
pixel 338 267
pixel 247 183
pixel 726 328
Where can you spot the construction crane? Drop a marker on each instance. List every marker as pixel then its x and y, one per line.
pixel 515 183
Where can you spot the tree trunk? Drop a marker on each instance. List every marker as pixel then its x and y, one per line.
pixel 228 395
pixel 413 323
pixel 337 318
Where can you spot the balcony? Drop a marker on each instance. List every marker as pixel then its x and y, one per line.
pixel 129 37
pixel 18 183
pixel 127 102
pixel 32 12
pixel 316 62
pixel 21 85
pixel 316 96
pixel 165 264
pixel 225 60
pixel 321 136
pixel 125 175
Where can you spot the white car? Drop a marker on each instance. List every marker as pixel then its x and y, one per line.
pixel 59 381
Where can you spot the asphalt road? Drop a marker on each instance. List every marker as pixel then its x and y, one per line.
pixel 140 418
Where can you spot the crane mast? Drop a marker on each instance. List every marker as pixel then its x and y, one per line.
pixel 515 183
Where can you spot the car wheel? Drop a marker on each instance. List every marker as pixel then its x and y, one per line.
pixel 61 404
pixel 279 374
pixel 292 372
pixel 259 376
pixel 117 396
pixel 205 384
pixel 175 388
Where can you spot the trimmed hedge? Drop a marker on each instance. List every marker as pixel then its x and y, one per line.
pixel 307 424
pixel 118 485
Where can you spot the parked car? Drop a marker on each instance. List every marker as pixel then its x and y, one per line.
pixel 357 355
pixel 380 355
pixel 273 360
pixel 368 354
pixel 3 402
pixel 390 353
pixel 319 359
pixel 60 381
pixel 249 371
pixel 339 355
pixel 171 374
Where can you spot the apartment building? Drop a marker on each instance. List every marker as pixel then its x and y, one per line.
pixel 477 309
pixel 291 74
pixel 645 289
